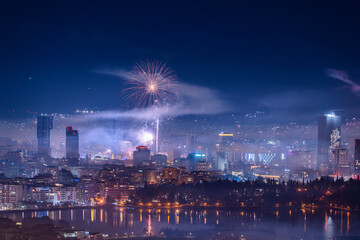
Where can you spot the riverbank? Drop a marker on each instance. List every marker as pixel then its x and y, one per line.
pixel 185 207
pixel 46 209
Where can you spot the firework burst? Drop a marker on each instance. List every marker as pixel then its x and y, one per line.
pixel 150 82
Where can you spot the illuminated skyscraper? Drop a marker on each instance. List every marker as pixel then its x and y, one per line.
pixel 44 125
pixel 141 156
pixel 341 160
pixel 357 158
pixel 226 147
pixel 193 158
pixel 226 139
pixel 329 137
pixel 72 146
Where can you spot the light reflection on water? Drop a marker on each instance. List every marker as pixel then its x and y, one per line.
pixel 276 224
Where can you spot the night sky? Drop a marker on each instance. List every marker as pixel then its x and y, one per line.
pixel 268 55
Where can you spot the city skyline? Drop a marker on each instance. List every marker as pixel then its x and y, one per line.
pixel 204 120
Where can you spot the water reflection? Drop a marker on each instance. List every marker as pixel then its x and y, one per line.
pixel 281 224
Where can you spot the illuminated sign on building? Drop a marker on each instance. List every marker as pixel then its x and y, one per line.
pixel 226 134
pixel 199 155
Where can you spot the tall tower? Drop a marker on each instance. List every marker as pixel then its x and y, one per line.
pixel 44 125
pixel 357 158
pixel 157 149
pixel 114 147
pixel 329 137
pixel 72 146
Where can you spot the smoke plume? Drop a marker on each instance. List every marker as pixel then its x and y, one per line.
pixel 344 77
pixel 191 100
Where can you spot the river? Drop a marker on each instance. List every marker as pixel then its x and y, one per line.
pixel 208 224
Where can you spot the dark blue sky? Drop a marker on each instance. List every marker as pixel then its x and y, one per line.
pixel 258 54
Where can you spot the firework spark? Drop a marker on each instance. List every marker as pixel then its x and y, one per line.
pixel 151 82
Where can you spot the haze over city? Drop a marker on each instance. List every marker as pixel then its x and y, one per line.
pixel 179 119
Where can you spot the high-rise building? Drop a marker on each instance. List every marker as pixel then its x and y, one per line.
pixel 221 163
pixel 44 125
pixel 357 158
pixel 226 147
pixel 173 154
pixel 341 159
pixel 72 146
pixel 226 139
pixel 190 145
pixel 194 158
pixel 329 137
pixel 141 155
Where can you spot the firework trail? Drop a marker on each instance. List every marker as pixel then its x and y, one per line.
pixel 150 83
